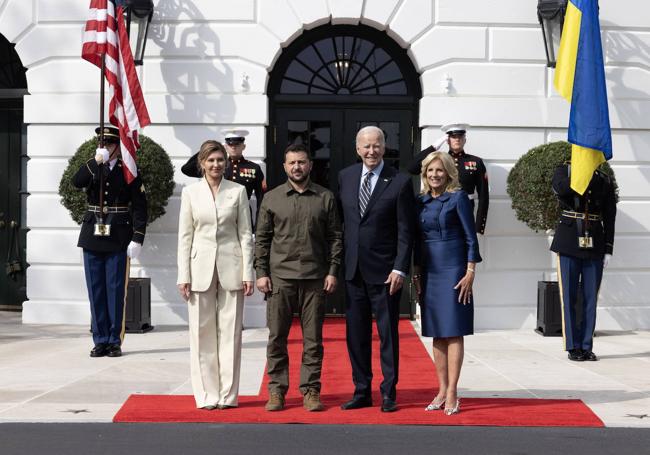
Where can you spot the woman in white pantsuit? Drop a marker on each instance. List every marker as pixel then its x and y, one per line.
pixel 215 271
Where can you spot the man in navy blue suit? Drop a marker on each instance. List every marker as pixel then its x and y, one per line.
pixel 377 204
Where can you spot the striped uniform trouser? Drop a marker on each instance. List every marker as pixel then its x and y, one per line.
pixel 106 280
pixel 579 275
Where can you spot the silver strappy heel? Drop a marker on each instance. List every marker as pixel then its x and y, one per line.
pixel 433 406
pixel 454 410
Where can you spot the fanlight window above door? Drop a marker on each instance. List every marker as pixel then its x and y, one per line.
pixel 343 65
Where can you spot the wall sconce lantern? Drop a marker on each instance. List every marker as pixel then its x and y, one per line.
pixel 551 16
pixel 138 16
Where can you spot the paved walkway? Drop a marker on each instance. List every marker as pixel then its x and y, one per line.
pixel 47 376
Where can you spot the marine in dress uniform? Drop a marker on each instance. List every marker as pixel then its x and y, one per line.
pixel 239 170
pixel 472 173
pixel 584 242
pixel 105 251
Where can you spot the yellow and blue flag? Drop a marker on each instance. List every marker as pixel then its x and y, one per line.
pixel 580 79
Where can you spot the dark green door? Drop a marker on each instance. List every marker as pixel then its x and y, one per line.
pixel 329 133
pixel 320 130
pixel 12 236
pixel 330 136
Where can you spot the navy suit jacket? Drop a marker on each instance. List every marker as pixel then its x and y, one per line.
pixel 382 240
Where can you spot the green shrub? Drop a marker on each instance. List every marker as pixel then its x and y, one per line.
pixel 529 184
pixel 155 168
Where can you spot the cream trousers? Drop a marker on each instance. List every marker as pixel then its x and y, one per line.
pixel 215 324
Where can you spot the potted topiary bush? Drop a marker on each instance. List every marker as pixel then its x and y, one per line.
pixel 157 173
pixel 529 185
pixel 534 203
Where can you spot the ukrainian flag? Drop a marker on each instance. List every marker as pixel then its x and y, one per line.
pixel 580 79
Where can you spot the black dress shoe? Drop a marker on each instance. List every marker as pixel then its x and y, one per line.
pixel 589 356
pixel 576 355
pixel 357 403
pixel 388 405
pixel 113 350
pixel 98 351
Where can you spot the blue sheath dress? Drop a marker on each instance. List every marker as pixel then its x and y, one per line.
pixel 447 237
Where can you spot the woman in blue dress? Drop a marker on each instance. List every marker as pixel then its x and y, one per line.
pixel 445 261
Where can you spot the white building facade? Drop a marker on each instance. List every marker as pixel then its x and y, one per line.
pixel 209 65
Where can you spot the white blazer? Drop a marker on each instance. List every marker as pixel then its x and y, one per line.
pixel 215 232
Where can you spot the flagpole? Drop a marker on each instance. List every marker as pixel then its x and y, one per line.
pixel 101 101
pixel 101 138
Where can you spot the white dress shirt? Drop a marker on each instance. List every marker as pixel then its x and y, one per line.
pixel 375 176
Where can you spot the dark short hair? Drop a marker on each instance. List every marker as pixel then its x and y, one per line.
pixel 207 148
pixel 297 148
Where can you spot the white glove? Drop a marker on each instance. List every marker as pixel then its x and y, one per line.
pixel 606 259
pixel 439 142
pixel 133 250
pixel 102 155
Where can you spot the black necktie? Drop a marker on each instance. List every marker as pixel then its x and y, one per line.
pixel 364 194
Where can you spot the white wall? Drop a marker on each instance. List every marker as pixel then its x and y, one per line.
pixel 197 56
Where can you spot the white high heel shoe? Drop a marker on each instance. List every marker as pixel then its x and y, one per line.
pixel 433 406
pixel 454 410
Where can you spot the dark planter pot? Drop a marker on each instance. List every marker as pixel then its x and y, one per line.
pixel 138 306
pixel 549 309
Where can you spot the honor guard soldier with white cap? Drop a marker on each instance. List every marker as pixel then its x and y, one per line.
pixel 239 170
pixel 584 242
pixel 113 228
pixel 472 174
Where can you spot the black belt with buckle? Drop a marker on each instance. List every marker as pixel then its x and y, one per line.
pixel 109 209
pixel 580 215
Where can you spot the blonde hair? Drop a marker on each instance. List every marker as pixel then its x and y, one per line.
pixel 207 148
pixel 450 168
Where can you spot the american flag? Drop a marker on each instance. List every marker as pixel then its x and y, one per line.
pixel 105 34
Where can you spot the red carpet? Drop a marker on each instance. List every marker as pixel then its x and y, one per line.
pixel 414 391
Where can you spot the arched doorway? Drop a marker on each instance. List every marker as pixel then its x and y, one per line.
pixel 329 83
pixel 13 86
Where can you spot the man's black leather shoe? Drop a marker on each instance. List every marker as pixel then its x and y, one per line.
pixel 114 350
pixel 589 356
pixel 388 405
pixel 98 351
pixel 576 355
pixel 357 403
